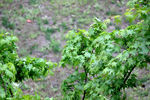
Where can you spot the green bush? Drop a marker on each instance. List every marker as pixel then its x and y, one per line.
pixel 104 61
pixel 15 69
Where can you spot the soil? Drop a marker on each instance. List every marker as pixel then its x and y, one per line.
pixel 61 16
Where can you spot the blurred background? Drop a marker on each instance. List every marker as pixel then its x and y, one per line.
pixel 41 26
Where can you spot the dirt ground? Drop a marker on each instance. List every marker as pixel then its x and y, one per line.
pixel 41 26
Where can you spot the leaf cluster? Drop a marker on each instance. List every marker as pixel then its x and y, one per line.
pixel 15 69
pixel 104 61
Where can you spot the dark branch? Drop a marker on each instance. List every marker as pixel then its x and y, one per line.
pixel 86 79
pixel 128 75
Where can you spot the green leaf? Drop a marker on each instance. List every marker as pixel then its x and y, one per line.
pixel 117 19
pixel 87 54
pixel 2 93
pixel 9 74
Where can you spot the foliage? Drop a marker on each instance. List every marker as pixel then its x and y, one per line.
pixel 104 61
pixel 20 96
pixel 49 32
pixel 33 1
pixel 55 46
pixel 6 23
pixel 14 69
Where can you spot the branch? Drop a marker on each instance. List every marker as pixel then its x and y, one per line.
pixel 86 79
pixel 128 75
